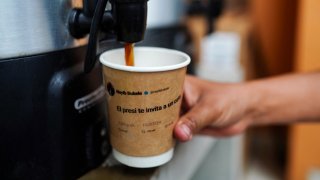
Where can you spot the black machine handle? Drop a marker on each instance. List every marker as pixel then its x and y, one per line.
pixel 93 36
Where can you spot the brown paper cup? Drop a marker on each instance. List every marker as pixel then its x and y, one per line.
pixel 143 103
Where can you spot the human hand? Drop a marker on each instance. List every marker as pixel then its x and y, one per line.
pixel 214 109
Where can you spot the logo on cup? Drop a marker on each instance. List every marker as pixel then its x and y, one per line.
pixel 110 89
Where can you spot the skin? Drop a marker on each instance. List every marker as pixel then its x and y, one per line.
pixel 222 109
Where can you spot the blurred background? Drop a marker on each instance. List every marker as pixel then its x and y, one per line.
pixel 235 41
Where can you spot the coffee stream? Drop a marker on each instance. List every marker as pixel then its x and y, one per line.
pixel 129 54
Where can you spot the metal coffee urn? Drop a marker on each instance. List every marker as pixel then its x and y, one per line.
pixel 52 110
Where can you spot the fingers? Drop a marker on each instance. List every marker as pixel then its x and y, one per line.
pixel 193 121
pixel 182 132
pixel 191 93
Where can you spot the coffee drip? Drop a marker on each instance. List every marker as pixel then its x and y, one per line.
pixel 129 54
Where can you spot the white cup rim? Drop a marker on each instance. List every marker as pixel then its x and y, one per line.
pixel 146 69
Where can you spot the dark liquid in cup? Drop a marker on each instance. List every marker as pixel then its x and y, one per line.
pixel 129 54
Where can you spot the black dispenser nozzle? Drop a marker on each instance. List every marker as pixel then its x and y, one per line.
pixel 127 19
pixel 131 16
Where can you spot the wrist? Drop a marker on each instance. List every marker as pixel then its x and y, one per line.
pixel 253 96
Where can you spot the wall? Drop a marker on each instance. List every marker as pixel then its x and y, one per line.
pixel 304 154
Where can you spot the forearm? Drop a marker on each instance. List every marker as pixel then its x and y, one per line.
pixel 284 99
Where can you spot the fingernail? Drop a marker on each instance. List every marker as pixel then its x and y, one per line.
pixel 186 130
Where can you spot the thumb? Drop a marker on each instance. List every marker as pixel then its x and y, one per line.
pixel 193 121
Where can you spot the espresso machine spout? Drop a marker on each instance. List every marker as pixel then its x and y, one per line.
pixel 127 20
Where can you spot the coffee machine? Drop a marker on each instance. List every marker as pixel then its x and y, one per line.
pixel 52 113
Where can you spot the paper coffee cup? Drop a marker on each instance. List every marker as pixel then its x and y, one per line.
pixel 143 103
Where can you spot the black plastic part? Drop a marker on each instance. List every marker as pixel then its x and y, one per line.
pixel 131 17
pixel 108 23
pixel 42 134
pixel 79 23
pixel 93 44
pixel 130 26
pixel 89 7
